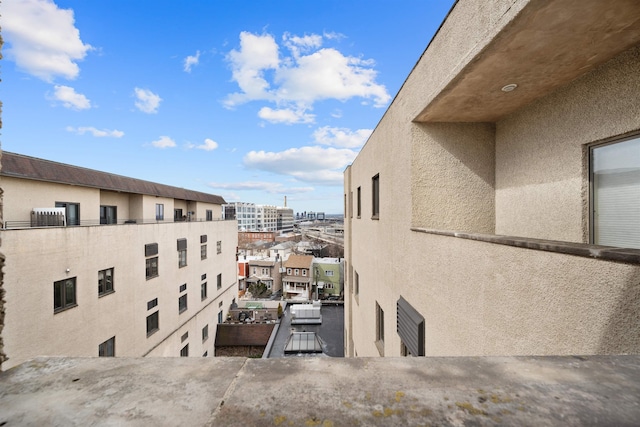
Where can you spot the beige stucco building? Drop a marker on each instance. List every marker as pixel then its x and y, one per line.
pixel 495 209
pixel 126 267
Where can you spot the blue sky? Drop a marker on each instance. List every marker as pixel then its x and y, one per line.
pixel 251 100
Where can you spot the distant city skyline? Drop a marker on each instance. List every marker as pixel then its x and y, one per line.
pixel 249 100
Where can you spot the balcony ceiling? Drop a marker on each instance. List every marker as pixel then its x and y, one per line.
pixel 549 44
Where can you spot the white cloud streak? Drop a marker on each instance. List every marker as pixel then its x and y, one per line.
pixel 267 187
pixel 147 101
pixel 319 165
pixel 42 39
pixel 190 61
pixel 207 145
pixel 286 116
pixel 98 133
pixel 70 98
pixel 341 137
pixel 164 142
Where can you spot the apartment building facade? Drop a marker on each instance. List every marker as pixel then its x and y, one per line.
pixel 296 283
pixel 104 265
pixel 514 145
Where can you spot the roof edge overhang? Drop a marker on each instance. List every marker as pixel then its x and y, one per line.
pixel 548 44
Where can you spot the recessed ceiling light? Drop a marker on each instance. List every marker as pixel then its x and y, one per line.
pixel 509 87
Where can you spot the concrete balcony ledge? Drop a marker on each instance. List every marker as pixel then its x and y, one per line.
pixel 607 253
pixel 299 391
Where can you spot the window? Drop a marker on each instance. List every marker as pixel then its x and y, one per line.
pixel 203 291
pixel 203 238
pixel 209 214
pixel 182 253
pixel 328 273
pixel 159 212
pixel 153 323
pixel 107 348
pixel 615 204
pixel 150 250
pixel 182 303
pixel 205 354
pixel 356 282
pixel 380 329
pixel 152 267
pixel 72 212
pixel 152 303
pixel 184 337
pixel 185 351
pixel 219 246
pixel 108 215
pixel 351 204
pixel 289 271
pixel 203 251
pixel 358 203
pixel 64 294
pixel 105 281
pixel 219 281
pixel 304 271
pixel 297 272
pixel 177 215
pixel 255 270
pixel 328 285
pixel 183 287
pixel 205 333
pixel 375 191
pixel 220 316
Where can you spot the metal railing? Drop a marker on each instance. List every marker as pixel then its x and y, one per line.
pixel 14 225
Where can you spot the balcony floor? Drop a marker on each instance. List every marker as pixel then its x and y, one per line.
pixel 536 391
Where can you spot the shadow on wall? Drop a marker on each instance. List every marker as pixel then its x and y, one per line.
pixel 622 332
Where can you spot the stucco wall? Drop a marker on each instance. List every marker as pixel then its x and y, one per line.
pixel 21 196
pixel 541 151
pixel 33 329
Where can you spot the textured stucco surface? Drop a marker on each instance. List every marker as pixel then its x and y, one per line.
pixel 525 176
pixel 32 328
pixel 541 172
pixel 529 391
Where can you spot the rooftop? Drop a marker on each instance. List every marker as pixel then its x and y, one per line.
pixel 20 166
pixel 523 391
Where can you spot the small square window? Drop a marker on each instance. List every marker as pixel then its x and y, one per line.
pixel 107 348
pixel 183 287
pixel 105 281
pixel 152 303
pixel 184 337
pixel 64 294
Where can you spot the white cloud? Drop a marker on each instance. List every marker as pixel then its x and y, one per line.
pixel 256 55
pixel 70 98
pixel 296 81
pixel 43 39
pixel 285 116
pixel 267 187
pixel 164 142
pixel 148 102
pixel 99 133
pixel 207 145
pixel 310 164
pixel 190 61
pixel 341 137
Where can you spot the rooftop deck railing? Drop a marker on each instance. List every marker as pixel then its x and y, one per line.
pixel 14 225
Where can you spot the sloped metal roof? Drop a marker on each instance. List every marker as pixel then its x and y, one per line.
pixel 21 166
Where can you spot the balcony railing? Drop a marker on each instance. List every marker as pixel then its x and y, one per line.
pixel 13 225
